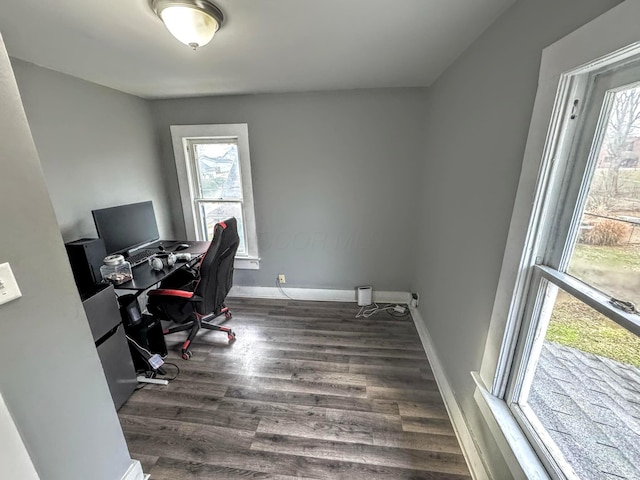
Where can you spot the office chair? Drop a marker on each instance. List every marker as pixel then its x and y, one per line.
pixel 193 299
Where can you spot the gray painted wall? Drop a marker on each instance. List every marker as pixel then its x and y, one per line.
pixel 51 380
pixel 334 181
pixel 15 461
pixel 478 117
pixel 87 137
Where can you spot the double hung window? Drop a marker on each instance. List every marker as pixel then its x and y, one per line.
pixel 214 173
pixel 569 370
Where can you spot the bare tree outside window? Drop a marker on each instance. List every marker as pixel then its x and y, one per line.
pixel 607 255
pixel 620 150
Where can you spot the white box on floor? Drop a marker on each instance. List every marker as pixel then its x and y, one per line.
pixel 364 295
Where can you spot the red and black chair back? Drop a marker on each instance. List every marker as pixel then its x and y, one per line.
pixel 216 268
pixel 192 301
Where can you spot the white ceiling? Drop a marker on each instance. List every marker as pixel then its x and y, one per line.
pixel 263 46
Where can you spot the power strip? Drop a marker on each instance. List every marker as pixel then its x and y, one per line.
pixel 399 309
pixel 155 381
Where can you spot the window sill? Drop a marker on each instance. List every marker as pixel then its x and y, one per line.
pixel 246 263
pixel 521 458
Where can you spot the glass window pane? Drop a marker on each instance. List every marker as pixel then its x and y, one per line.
pixel 214 212
pixel 219 170
pixel 607 255
pixel 585 391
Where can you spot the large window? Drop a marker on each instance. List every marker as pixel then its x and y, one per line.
pixel 214 172
pixel 570 363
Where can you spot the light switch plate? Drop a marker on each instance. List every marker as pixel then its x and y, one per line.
pixel 9 289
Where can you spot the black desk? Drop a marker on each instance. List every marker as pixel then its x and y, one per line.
pixel 144 277
pixel 143 329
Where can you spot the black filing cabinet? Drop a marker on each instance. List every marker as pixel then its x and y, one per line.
pixel 106 326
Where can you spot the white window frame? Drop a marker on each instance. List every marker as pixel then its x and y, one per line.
pixel 565 66
pixel 181 135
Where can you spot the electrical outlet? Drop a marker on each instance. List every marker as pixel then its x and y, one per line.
pixel 282 278
pixel 415 298
pixel 9 289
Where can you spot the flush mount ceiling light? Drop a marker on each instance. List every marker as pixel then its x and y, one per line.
pixel 193 22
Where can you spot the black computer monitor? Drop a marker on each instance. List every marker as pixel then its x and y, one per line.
pixel 127 226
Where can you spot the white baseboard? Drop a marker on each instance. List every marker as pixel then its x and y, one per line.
pixel 469 449
pixel 134 472
pixel 322 295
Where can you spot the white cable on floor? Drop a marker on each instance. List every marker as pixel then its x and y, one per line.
pixel 372 311
pixel 364 311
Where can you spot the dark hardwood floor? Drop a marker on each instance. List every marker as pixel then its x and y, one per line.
pixel 306 391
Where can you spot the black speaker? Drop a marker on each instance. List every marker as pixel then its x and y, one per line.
pixel 86 256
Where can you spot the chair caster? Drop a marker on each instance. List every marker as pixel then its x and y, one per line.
pixel 186 355
pixel 228 316
pixel 231 336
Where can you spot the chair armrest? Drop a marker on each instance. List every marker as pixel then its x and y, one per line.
pixel 166 292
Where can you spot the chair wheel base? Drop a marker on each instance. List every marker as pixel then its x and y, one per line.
pixel 186 355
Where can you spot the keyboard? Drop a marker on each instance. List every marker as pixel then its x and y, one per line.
pixel 141 256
